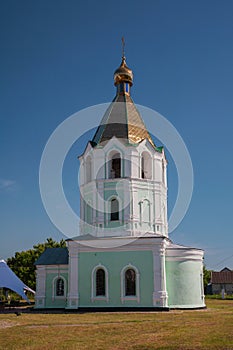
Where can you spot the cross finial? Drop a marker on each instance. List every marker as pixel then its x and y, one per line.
pixel 123 47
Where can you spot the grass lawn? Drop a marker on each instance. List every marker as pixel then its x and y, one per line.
pixel 211 328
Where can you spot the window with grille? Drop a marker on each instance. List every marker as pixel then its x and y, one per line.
pixel 60 287
pixel 100 282
pixel 130 282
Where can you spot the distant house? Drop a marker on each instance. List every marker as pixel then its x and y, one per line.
pixel 222 280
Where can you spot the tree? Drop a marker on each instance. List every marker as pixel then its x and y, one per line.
pixel 206 276
pixel 23 262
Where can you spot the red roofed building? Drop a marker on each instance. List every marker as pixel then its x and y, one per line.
pixel 222 280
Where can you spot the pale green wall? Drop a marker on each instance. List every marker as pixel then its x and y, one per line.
pixel 183 280
pixel 109 191
pixel 112 188
pixel 114 262
pixel 184 284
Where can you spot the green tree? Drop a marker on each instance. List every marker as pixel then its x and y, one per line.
pixel 206 276
pixel 22 263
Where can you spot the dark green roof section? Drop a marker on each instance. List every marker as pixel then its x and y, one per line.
pixel 53 256
pixel 159 149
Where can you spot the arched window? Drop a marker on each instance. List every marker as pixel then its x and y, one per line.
pixel 130 282
pixel 143 168
pixel 115 166
pixel 130 288
pixel 60 287
pixel 100 282
pixel 88 169
pixel 114 216
pixel 146 166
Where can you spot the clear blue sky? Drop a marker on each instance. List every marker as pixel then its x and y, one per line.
pixel 58 57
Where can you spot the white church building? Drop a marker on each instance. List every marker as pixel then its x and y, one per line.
pixel 123 257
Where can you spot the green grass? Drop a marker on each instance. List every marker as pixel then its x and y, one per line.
pixel 219 296
pixel 200 329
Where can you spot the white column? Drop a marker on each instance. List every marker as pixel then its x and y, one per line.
pixel 40 287
pixel 73 292
pixel 99 200
pixel 160 297
pixel 134 212
pixel 154 228
pixel 165 224
pixel 135 165
pixel 126 192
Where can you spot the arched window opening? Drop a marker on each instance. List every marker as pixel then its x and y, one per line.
pixel 146 168
pixel 130 282
pixel 60 287
pixel 88 169
pixel 115 166
pixel 143 168
pixel 114 210
pixel 100 282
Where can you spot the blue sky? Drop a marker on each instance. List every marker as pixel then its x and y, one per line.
pixel 58 57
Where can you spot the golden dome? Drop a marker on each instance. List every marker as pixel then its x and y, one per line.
pixel 123 74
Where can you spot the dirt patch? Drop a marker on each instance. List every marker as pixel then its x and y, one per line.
pixel 6 324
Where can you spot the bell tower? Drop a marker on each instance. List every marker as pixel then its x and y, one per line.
pixel 123 181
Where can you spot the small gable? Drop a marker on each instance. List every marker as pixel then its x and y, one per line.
pixel 225 270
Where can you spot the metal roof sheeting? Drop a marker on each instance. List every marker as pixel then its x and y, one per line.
pixel 222 277
pixel 53 256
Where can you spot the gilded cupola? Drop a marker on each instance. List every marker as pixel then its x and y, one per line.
pixel 122 119
pixel 123 74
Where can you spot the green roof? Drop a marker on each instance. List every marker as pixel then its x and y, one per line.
pixel 159 149
pixel 53 256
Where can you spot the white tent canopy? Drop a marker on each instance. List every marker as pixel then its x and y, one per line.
pixel 8 279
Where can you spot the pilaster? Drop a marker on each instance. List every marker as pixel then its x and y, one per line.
pixel 160 296
pixel 40 287
pixel 73 291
